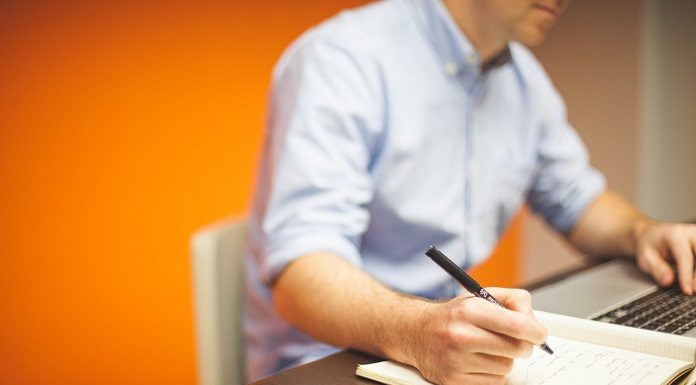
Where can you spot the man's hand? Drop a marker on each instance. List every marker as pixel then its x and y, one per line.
pixel 657 243
pixel 468 340
pixel 612 226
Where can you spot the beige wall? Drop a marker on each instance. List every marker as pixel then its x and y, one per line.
pixel 667 183
pixel 593 55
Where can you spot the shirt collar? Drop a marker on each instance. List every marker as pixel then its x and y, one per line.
pixel 454 48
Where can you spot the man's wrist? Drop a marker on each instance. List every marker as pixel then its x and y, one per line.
pixel 406 338
pixel 638 228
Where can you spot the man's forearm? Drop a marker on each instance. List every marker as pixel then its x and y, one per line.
pixel 335 302
pixel 611 226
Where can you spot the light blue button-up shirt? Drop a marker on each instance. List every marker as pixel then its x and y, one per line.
pixel 384 136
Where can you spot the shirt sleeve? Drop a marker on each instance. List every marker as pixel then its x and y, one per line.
pixel 566 184
pixel 319 146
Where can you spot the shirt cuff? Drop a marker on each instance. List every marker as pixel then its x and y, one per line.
pixel 285 249
pixel 579 201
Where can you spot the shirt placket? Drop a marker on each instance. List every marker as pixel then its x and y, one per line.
pixel 473 85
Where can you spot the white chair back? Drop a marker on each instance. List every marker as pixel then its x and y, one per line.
pixel 218 287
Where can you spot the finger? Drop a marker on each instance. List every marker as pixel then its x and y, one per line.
pixel 508 322
pixel 692 240
pixel 469 337
pixel 500 345
pixel 481 379
pixel 489 364
pixel 652 263
pixel 514 299
pixel 682 254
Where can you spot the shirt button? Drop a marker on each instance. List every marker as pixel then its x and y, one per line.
pixel 451 68
pixel 471 58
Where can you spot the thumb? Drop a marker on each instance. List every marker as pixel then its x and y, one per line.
pixel 513 299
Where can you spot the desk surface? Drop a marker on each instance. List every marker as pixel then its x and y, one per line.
pixel 339 368
pixel 336 369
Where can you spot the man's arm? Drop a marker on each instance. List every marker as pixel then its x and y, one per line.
pixel 612 226
pixel 464 340
pixel 318 292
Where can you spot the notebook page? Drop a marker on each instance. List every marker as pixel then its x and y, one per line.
pixel 624 337
pixel 573 363
pixel 580 363
pixel 633 349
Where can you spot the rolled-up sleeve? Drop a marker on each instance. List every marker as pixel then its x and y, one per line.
pixel 566 184
pixel 320 141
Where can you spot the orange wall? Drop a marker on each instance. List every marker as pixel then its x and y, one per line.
pixel 124 126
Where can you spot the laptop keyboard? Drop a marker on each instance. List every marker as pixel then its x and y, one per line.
pixel 667 311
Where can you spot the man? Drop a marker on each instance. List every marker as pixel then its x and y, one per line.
pixel 406 123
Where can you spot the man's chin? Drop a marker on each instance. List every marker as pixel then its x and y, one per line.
pixel 533 38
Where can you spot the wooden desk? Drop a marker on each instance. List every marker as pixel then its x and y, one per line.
pixel 336 369
pixel 339 368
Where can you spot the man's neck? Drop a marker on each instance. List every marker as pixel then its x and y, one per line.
pixel 488 44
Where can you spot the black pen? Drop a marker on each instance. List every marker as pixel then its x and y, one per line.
pixel 465 280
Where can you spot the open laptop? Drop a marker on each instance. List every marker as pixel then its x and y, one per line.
pixel 618 292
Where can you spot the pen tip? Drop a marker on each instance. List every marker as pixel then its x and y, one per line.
pixel 546 348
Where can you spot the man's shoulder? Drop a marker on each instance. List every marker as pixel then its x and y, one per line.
pixel 531 70
pixel 366 22
pixel 360 29
pixel 526 62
